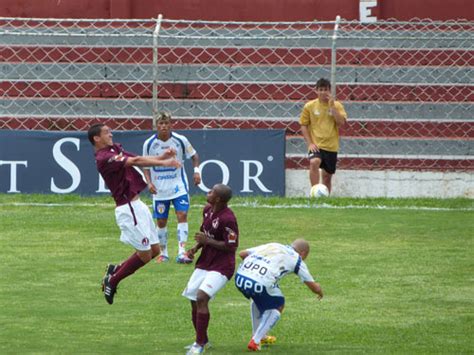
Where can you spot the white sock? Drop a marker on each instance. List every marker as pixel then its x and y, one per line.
pixel 163 237
pixel 182 236
pixel 256 317
pixel 269 318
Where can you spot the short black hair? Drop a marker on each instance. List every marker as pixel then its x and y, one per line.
pixel 94 131
pixel 323 83
pixel 224 192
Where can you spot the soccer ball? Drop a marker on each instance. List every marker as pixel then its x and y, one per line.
pixel 319 190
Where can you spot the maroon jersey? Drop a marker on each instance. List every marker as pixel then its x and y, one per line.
pixel 124 182
pixel 221 226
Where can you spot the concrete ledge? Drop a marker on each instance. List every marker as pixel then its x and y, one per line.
pixel 364 183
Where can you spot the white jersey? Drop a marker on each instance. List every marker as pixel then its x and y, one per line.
pixel 268 263
pixel 169 182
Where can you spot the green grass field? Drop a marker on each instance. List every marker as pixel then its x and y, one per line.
pixel 397 277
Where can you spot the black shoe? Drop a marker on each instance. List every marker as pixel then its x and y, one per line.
pixel 109 291
pixel 109 270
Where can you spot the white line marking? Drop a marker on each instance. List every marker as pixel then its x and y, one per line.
pixel 254 204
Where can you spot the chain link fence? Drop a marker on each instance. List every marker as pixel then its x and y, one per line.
pixel 407 86
pixel 64 74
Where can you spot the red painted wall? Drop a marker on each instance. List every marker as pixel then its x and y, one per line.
pixel 248 10
pixel 237 10
pixel 427 9
pixel 55 8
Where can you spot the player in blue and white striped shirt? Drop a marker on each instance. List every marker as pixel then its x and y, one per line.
pixel 170 185
pixel 257 279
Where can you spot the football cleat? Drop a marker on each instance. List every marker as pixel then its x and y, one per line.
pixel 195 349
pixel 268 340
pixel 183 259
pixel 109 270
pixel 162 259
pixel 206 346
pixel 253 346
pixel 109 291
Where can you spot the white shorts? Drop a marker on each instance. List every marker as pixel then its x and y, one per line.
pixel 141 235
pixel 209 282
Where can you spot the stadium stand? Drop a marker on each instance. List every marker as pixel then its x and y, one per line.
pixel 407 87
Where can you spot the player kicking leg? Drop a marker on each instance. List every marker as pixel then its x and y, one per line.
pixel 134 235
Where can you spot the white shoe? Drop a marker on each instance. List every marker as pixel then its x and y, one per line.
pixel 206 346
pixel 183 258
pixel 195 349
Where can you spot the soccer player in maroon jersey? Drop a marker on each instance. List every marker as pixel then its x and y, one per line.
pixel 117 168
pixel 218 238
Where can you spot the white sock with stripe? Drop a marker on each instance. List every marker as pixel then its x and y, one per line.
pixel 182 232
pixel 163 237
pixel 256 316
pixel 269 319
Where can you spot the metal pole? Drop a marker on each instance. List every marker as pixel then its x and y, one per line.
pixel 154 99
pixel 333 57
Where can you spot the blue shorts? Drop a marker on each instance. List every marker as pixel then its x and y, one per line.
pixel 265 298
pixel 161 209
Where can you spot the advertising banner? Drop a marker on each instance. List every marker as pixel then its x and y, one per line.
pixel 252 162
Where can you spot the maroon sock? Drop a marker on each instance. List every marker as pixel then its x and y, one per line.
pixel 194 318
pixel 117 268
pixel 127 268
pixel 202 322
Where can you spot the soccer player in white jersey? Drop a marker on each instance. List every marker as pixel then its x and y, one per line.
pixel 170 185
pixel 257 279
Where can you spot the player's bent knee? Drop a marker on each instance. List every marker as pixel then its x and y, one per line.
pixel 155 250
pixel 202 296
pixel 145 256
pixel 202 305
pixel 314 164
pixel 182 216
pixel 161 222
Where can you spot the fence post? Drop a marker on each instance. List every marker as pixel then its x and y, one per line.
pixel 154 98
pixel 333 57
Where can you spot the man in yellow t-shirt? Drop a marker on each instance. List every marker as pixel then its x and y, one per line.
pixel 320 122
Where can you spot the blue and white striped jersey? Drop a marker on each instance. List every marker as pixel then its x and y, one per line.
pixel 169 182
pixel 268 263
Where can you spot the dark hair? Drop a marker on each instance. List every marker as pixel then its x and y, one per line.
pixel 323 83
pixel 224 192
pixel 94 131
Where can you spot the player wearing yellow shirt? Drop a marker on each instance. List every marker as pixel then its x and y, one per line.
pixel 320 121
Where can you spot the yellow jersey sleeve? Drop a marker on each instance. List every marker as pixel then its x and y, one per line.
pixel 305 117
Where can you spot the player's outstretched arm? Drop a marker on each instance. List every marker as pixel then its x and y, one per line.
pixel 152 161
pixel 315 288
pixel 197 173
pixel 169 153
pixel 151 186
